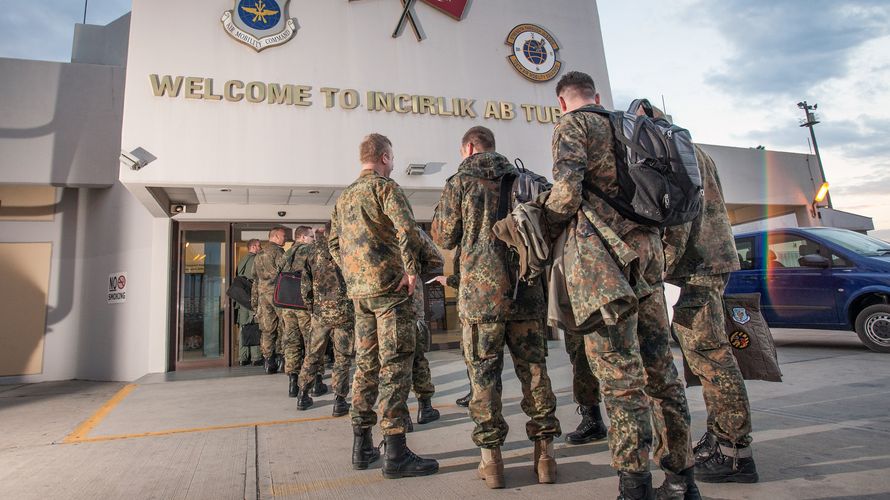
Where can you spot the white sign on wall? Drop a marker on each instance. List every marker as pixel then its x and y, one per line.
pixel 117 288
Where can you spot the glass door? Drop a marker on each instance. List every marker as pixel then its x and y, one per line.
pixel 202 326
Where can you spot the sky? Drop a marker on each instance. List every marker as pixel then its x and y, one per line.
pixel 731 71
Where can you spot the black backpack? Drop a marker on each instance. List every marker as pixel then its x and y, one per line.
pixel 522 187
pixel 659 182
pixel 239 291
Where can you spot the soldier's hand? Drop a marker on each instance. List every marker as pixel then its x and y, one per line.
pixel 442 280
pixel 408 281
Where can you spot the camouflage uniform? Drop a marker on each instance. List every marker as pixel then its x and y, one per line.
pixel 374 240
pixel 700 255
pixel 490 316
pixel 421 377
pixel 585 386
pixel 297 322
pixel 244 315
pixel 333 317
pixel 269 261
pixel 631 359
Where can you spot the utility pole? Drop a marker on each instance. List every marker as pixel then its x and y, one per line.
pixel 85 4
pixel 810 121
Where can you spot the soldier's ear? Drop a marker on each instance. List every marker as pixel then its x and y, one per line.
pixel 596 98
pixel 562 104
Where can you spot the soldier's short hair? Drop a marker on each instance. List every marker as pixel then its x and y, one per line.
pixel 327 227
pixel 481 137
pixel 279 229
pixel 301 231
pixel 253 242
pixel 372 148
pixel 578 82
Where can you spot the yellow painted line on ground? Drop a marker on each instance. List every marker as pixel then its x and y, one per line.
pixel 81 431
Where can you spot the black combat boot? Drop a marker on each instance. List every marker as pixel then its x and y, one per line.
pixel 400 462
pixel 409 425
pixel 304 402
pixel 364 452
pixel 705 447
pixel 319 388
pixel 280 359
pixel 591 427
pixel 728 464
pixel 341 407
pixel 464 402
pixel 293 385
pixel 678 486
pixel 635 486
pixel 425 411
pixel 271 365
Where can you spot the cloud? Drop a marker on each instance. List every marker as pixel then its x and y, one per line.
pixel 786 47
pixel 865 137
pixel 872 185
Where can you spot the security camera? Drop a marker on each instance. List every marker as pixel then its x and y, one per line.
pixel 282 213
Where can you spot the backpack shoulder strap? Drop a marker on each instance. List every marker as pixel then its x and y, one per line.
pixel 506 189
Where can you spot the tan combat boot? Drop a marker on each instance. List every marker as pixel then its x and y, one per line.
pixel 491 468
pixel 545 462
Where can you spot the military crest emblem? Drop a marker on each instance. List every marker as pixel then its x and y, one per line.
pixel 740 340
pixel 740 315
pixel 534 52
pixel 260 23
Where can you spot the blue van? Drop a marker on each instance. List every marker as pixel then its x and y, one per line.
pixel 819 277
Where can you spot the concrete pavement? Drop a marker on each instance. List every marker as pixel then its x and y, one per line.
pixel 822 433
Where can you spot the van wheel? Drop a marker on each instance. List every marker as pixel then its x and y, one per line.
pixel 873 327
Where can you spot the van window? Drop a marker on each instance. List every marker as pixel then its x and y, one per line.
pixel 787 250
pixel 745 249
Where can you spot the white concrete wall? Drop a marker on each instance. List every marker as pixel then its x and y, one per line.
pixel 59 123
pixel 346 45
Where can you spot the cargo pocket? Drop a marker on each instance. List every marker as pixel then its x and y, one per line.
pixel 486 340
pixel 526 341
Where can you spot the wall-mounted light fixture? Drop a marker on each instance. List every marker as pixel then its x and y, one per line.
pixel 416 169
pixel 819 198
pixel 136 159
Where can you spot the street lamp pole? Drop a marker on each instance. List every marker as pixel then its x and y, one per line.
pixel 811 120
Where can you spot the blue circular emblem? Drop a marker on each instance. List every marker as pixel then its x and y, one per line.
pixel 535 52
pixel 259 14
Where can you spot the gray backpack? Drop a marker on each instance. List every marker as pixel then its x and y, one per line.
pixel 659 182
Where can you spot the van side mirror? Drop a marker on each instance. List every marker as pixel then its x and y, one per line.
pixel 814 260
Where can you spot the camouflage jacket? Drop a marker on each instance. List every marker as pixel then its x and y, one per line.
pixel 324 290
pixel 464 218
pixel 706 245
pixel 269 261
pixel 296 257
pixel 584 156
pixel 245 269
pixel 373 236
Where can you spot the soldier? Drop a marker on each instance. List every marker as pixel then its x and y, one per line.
pixel 632 359
pixel 297 322
pixel 374 240
pixel 490 315
pixel 246 354
pixel 269 261
pixel 453 281
pixel 586 390
pixel 699 257
pixel 324 293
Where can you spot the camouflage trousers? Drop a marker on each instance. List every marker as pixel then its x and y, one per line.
pixel 385 333
pixel 421 377
pixel 297 335
pixel 585 386
pixel 638 379
pixel 270 320
pixel 700 331
pixel 483 346
pixel 342 337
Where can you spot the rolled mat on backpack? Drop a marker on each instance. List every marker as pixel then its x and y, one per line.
pixel 750 338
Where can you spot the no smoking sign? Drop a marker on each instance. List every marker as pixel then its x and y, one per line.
pixel 117 288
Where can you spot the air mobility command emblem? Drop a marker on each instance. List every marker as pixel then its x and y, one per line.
pixel 260 23
pixel 740 315
pixel 534 52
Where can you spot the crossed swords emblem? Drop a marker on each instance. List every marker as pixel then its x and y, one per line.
pixel 408 17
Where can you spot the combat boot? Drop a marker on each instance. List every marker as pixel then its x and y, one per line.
pixel 545 461
pixel 271 365
pixel 425 411
pixel 400 461
pixel 591 427
pixel 464 401
pixel 491 468
pixel 409 425
pixel 280 360
pixel 319 388
pixel 341 407
pixel 705 447
pixel 728 464
pixel 678 486
pixel 364 452
pixel 304 402
pixel 635 486
pixel 293 386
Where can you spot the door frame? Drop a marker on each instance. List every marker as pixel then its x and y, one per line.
pixel 176 307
